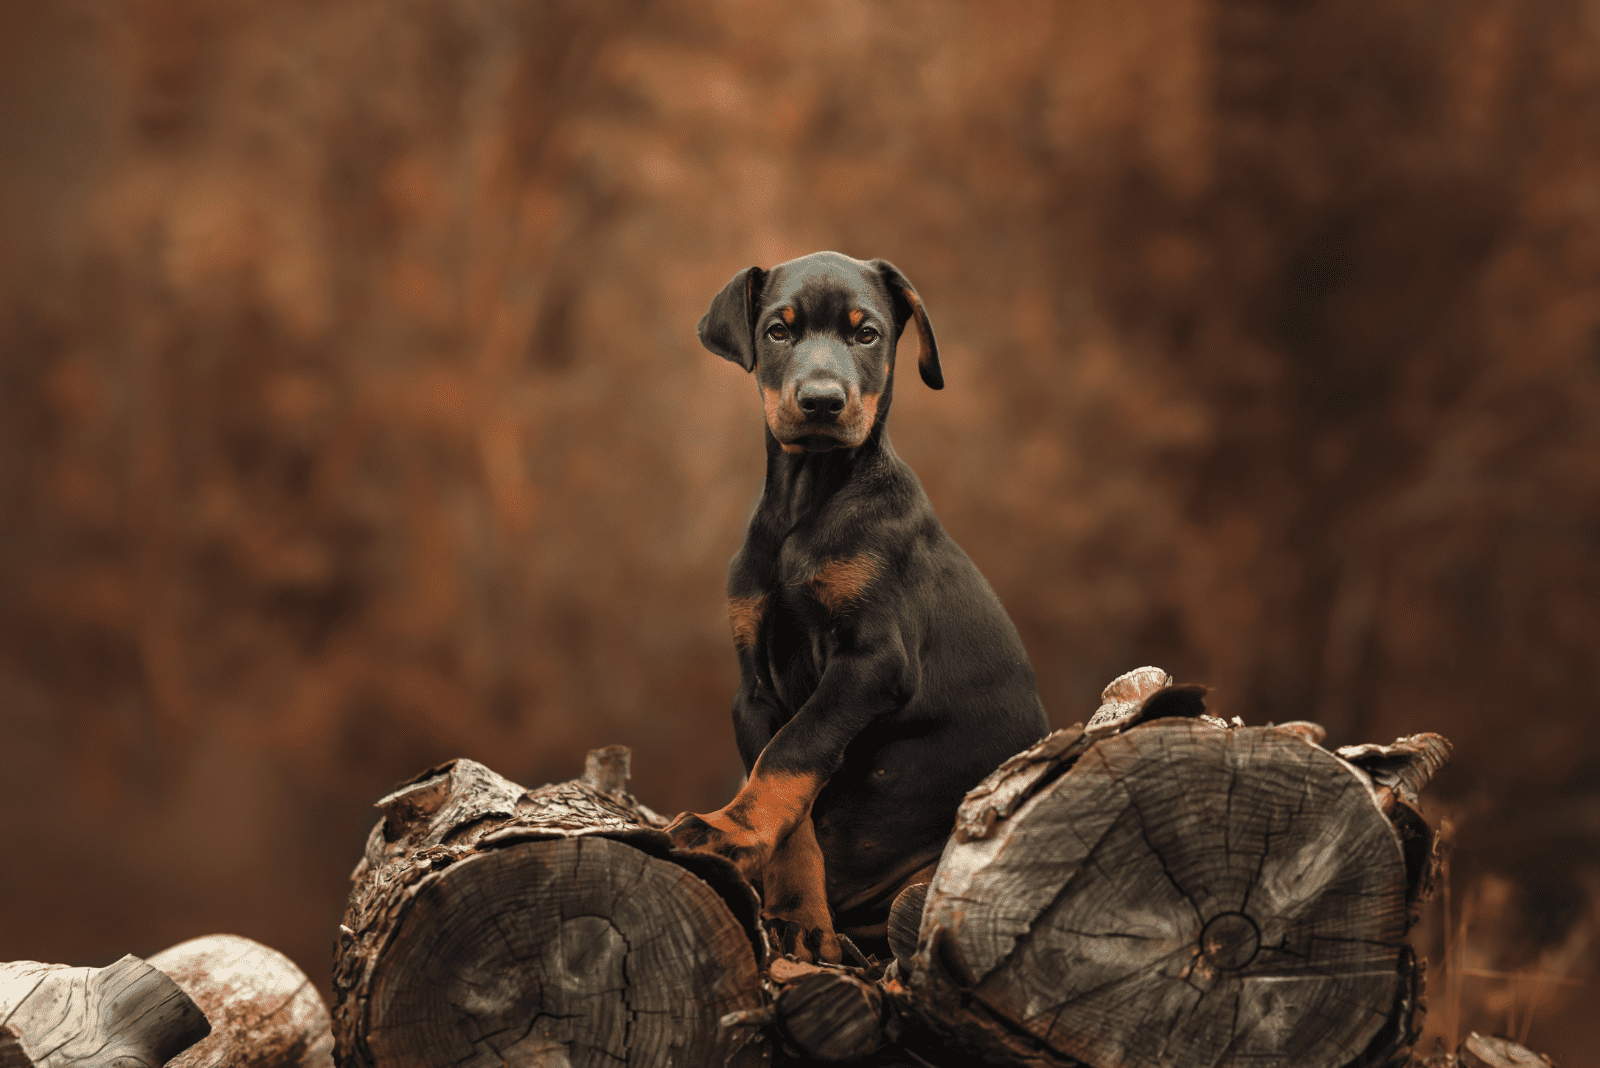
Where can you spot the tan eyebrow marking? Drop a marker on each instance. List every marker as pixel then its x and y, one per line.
pixel 856 316
pixel 788 315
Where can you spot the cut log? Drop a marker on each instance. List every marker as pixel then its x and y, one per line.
pixel 1173 892
pixel 827 1013
pixel 129 1014
pixel 1156 888
pixel 489 924
pixel 264 1012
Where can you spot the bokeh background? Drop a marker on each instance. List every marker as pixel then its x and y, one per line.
pixel 352 418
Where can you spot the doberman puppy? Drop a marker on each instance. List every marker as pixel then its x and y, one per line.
pixel 880 679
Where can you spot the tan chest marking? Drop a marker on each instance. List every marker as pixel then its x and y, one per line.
pixel 839 582
pixel 744 616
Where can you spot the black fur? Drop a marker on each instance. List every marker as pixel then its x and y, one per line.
pixel 908 695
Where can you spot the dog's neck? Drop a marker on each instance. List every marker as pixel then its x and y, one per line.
pixel 800 485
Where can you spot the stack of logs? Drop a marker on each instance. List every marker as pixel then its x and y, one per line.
pixel 1156 887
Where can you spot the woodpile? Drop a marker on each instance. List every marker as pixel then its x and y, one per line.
pixel 1154 888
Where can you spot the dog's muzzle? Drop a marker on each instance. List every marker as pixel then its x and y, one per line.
pixel 820 416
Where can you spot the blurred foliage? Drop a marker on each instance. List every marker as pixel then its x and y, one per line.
pixel 351 415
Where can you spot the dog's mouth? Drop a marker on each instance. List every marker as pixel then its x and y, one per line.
pixel 816 442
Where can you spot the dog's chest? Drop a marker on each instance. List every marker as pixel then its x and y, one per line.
pixel 794 641
pixel 805 597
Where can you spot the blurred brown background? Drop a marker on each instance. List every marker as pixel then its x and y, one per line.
pixel 352 419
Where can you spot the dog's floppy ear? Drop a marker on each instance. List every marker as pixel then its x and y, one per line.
pixel 908 306
pixel 728 327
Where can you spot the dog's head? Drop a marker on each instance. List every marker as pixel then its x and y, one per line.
pixel 820 333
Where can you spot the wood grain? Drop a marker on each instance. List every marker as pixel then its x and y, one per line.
pixel 1184 894
pixel 128 1014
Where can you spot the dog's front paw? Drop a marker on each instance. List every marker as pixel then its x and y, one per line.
pixel 797 916
pixel 794 937
pixel 715 833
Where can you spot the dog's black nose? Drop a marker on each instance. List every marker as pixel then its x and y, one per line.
pixel 821 401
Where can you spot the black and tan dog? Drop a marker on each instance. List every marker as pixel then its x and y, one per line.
pixel 880 679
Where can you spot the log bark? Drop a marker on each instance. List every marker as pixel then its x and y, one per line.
pixel 264 1011
pixel 1163 889
pixel 1398 772
pixel 490 925
pixel 129 1014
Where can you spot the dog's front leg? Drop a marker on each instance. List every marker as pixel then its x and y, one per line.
pixel 856 688
pixel 793 767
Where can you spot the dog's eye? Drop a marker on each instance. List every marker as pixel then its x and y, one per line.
pixel 778 332
pixel 866 335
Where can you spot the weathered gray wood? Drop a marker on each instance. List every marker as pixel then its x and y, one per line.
pixel 264 1011
pixel 128 1014
pixel 491 924
pixel 1179 893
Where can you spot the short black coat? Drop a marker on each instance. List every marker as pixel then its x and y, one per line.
pixel 873 654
